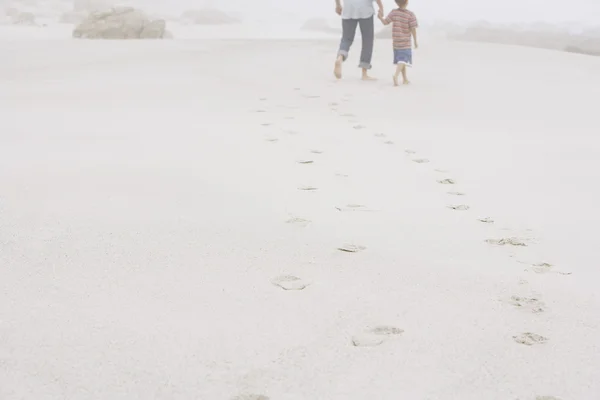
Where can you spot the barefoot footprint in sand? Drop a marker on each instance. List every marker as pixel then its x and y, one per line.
pixel 511 241
pixel 447 181
pixel 530 339
pixel 290 282
pixel 298 222
pixel 376 336
pixel 351 248
pixel 459 207
pixel 530 304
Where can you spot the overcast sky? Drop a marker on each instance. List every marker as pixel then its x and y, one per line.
pixel 459 10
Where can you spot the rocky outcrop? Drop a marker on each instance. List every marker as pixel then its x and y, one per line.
pixel 24 18
pixel 120 23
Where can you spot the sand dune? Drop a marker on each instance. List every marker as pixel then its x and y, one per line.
pixel 176 224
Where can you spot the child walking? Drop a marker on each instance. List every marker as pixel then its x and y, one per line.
pixel 404 28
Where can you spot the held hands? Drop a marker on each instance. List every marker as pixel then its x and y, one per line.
pixel 380 13
pixel 338 9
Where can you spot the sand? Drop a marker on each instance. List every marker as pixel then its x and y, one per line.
pixel 157 240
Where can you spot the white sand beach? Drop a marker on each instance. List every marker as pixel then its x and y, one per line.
pixel 151 194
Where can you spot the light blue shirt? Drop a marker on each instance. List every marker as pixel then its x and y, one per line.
pixel 358 9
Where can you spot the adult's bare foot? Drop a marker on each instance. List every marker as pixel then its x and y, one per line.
pixel 337 71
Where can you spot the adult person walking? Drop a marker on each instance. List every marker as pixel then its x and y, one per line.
pixel 353 13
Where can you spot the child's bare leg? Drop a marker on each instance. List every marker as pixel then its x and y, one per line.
pixel 397 74
pixel 404 78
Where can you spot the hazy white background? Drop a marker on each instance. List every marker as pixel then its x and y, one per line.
pixel 586 11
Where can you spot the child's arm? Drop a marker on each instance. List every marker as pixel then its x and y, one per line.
pixel 387 20
pixel 414 35
pixel 413 25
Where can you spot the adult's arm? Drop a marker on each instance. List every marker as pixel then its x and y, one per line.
pixel 380 5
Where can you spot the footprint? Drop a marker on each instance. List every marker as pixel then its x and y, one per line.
pixel 526 303
pixel 290 132
pixel 290 118
pixel 441 171
pixel 316 151
pixel 305 161
pixel 250 397
pixel 290 282
pixel 308 188
pixel 382 135
pixel 542 268
pixel 353 207
pixel 388 142
pixel 457 193
pixel 263 99
pixel 421 160
pixel 348 115
pixel 366 340
pixel 266 124
pixel 334 104
pixel 299 222
pixel 460 207
pixel 340 175
pixel 546 268
pixel 507 241
pixel 376 336
pixel 386 330
pixel 447 181
pixel 546 398
pixel 358 127
pixel 530 339
pixel 351 248
pixel 260 111
pixel 312 96
pixel 486 220
pixel 272 140
pixel 408 151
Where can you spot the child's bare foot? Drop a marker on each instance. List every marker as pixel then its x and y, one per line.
pixel 337 71
pixel 406 82
pixel 395 77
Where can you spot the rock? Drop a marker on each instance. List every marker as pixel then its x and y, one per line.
pixel 120 23
pixel 207 16
pixel 154 30
pixel 24 18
